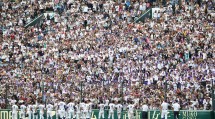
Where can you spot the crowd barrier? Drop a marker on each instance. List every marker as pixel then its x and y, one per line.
pixel 152 114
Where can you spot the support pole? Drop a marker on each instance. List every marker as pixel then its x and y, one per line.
pixel 6 98
pixel 122 85
pixel 81 91
pixel 103 88
pixel 213 101
pixel 165 89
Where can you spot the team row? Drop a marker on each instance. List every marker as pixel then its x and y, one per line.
pixel 71 110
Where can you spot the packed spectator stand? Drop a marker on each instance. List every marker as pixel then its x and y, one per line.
pixel 93 50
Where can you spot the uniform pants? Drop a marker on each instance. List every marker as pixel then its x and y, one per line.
pixel 130 115
pixel 111 114
pixel 119 114
pixel 84 115
pixel 71 114
pixel 78 114
pixel 49 116
pixel 101 114
pixel 61 113
pixel 22 115
pixel 35 116
pixel 164 114
pixel 176 114
pixel 29 115
pixel 41 115
pixel 14 115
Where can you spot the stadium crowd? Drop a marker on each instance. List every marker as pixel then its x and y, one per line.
pixel 95 47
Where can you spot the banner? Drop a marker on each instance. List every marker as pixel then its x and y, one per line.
pixel 184 114
pixel 147 14
pixel 35 21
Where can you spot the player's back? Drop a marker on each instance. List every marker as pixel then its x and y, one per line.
pixel 90 106
pixel 82 106
pixel 29 108
pixel 62 105
pixel 22 107
pixel 50 107
pixel 78 108
pixel 71 106
pixel 101 107
pixel 111 105
pixel 119 107
pixel 164 106
pixel 131 108
pixel 41 107
pixel 34 108
pixel 14 108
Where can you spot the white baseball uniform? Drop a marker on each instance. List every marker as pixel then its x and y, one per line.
pixel 111 112
pixel 101 111
pixel 131 111
pixel 61 110
pixel 119 110
pixel 71 110
pixel 29 111
pixel 164 107
pixel 34 109
pixel 22 111
pixel 41 110
pixel 49 111
pixel 78 111
pixel 14 111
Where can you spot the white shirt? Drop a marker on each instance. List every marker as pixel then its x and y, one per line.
pixel 61 105
pixel 41 107
pixel 101 107
pixel 176 107
pixel 85 107
pixel 78 109
pixel 29 108
pixel 22 108
pixel 50 107
pixel 82 105
pixel 119 107
pixel 111 105
pixel 89 107
pixel 145 108
pixel 106 102
pixel 164 106
pixel 15 108
pixel 71 106
pixel 34 108
pixel 131 108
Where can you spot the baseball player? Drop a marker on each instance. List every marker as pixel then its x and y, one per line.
pixel 131 110
pixel 41 110
pixel 71 110
pixel 61 110
pixel 164 109
pixel 34 110
pixel 119 109
pixel 49 111
pixel 29 111
pixel 14 111
pixel 101 110
pixel 78 110
pixel 111 112
pixel 22 111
